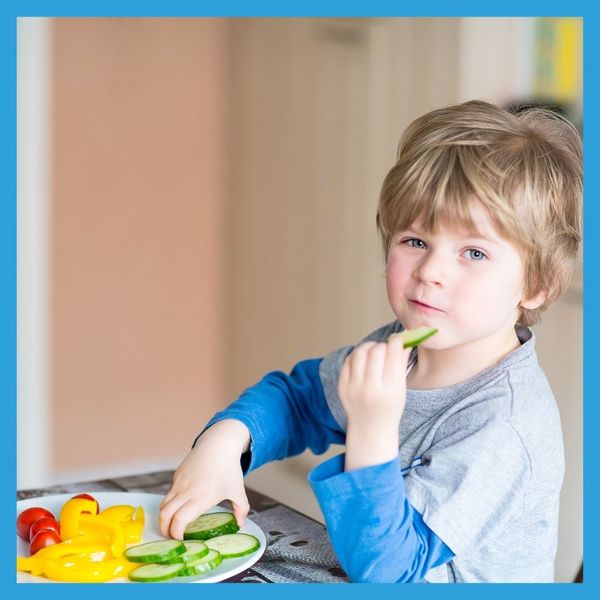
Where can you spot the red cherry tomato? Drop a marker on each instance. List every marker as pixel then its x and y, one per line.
pixel 42 539
pixel 88 497
pixel 27 517
pixel 44 524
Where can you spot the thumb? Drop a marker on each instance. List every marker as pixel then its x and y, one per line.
pixel 241 508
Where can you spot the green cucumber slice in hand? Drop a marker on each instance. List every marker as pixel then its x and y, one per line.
pixel 234 544
pixel 201 565
pixel 193 549
pixel 413 337
pixel 155 552
pixel 153 573
pixel 210 525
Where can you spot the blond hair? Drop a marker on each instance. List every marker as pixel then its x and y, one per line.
pixel 525 167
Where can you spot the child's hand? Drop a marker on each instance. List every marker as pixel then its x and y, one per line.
pixel 209 474
pixel 372 384
pixel 372 388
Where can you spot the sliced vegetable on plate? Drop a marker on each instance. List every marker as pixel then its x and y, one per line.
pixel 200 566
pixel 153 573
pixel 193 550
pixel 44 524
pixel 155 552
pixel 210 525
pixel 212 543
pixel 83 546
pixel 27 517
pixel 233 545
pixel 86 544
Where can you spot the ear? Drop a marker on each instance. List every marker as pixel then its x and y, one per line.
pixel 535 301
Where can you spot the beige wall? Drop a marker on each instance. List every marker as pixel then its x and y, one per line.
pixel 318 109
pixel 137 264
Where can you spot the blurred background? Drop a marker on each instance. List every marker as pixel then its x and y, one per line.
pixel 196 207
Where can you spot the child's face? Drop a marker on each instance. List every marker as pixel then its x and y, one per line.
pixel 472 285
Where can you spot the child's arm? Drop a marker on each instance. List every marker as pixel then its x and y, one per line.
pixel 285 414
pixel 376 533
pixel 372 388
pixel 280 416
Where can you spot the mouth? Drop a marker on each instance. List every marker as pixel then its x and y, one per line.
pixel 425 307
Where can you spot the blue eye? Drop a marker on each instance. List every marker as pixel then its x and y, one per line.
pixel 476 254
pixel 415 243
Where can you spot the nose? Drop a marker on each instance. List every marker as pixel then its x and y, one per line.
pixel 432 269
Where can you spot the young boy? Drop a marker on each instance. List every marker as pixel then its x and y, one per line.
pixel 454 454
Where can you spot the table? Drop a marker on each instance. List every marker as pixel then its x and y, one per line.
pixel 298 548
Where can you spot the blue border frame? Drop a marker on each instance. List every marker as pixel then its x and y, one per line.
pixel 8 14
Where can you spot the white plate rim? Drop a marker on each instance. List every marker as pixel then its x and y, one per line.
pixel 148 501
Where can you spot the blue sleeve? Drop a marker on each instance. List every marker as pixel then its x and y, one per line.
pixel 377 535
pixel 375 532
pixel 285 415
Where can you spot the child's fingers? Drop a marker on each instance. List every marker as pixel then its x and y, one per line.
pixel 168 497
pixel 167 510
pixel 241 508
pixel 184 515
pixel 374 367
pixel 357 361
pixel 396 358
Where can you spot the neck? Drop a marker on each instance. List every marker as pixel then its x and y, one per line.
pixel 441 368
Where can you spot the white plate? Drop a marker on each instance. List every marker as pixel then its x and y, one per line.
pixel 151 502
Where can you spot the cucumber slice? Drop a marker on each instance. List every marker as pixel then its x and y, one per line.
pixel 152 552
pixel 193 550
pixel 234 544
pixel 413 337
pixel 210 525
pixel 201 565
pixel 153 573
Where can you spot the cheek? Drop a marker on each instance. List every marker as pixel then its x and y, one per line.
pixel 396 273
pixel 495 295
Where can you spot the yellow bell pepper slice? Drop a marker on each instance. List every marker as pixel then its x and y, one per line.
pixel 81 570
pixel 35 564
pixel 29 564
pixel 134 527
pixel 71 514
pixel 93 544
pixel 96 537
pixel 96 524
pixel 119 513
pixel 66 548
pixel 140 515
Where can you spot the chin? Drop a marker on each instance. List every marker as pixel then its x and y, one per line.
pixel 432 344
pixel 439 341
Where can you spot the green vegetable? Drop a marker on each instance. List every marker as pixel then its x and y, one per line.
pixel 413 337
pixel 155 552
pixel 202 565
pixel 152 572
pixel 193 550
pixel 234 544
pixel 171 558
pixel 210 525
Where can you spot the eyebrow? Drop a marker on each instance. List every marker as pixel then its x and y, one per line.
pixel 476 237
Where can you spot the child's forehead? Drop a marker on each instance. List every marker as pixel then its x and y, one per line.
pixel 479 224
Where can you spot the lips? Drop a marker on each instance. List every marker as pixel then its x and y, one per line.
pixel 420 304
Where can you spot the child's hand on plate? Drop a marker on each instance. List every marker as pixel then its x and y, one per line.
pixel 209 474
